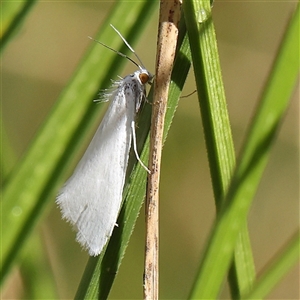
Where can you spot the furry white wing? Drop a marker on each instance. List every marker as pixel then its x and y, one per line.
pixel 91 198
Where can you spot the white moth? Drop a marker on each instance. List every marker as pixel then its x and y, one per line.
pixel 90 200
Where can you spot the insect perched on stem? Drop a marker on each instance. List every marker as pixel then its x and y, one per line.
pixel 91 198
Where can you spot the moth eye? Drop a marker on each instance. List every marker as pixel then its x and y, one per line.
pixel 144 78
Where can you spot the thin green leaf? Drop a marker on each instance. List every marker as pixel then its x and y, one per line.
pixel 34 262
pixel 8 153
pixel 12 15
pixel 277 269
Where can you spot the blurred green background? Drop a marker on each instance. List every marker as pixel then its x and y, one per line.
pixel 38 63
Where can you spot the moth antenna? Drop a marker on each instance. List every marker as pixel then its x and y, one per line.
pixel 130 48
pixel 119 53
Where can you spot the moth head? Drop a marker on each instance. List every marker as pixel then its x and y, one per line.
pixel 145 76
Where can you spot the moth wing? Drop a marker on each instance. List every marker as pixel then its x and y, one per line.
pixel 91 198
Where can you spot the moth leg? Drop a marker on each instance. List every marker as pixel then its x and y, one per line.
pixel 135 148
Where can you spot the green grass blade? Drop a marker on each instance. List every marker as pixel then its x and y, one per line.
pixel 13 14
pixel 33 263
pixel 252 162
pixel 35 180
pixel 33 258
pixel 211 96
pixel 7 154
pixel 101 271
pixel 280 266
pixel 216 126
pixel 242 271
